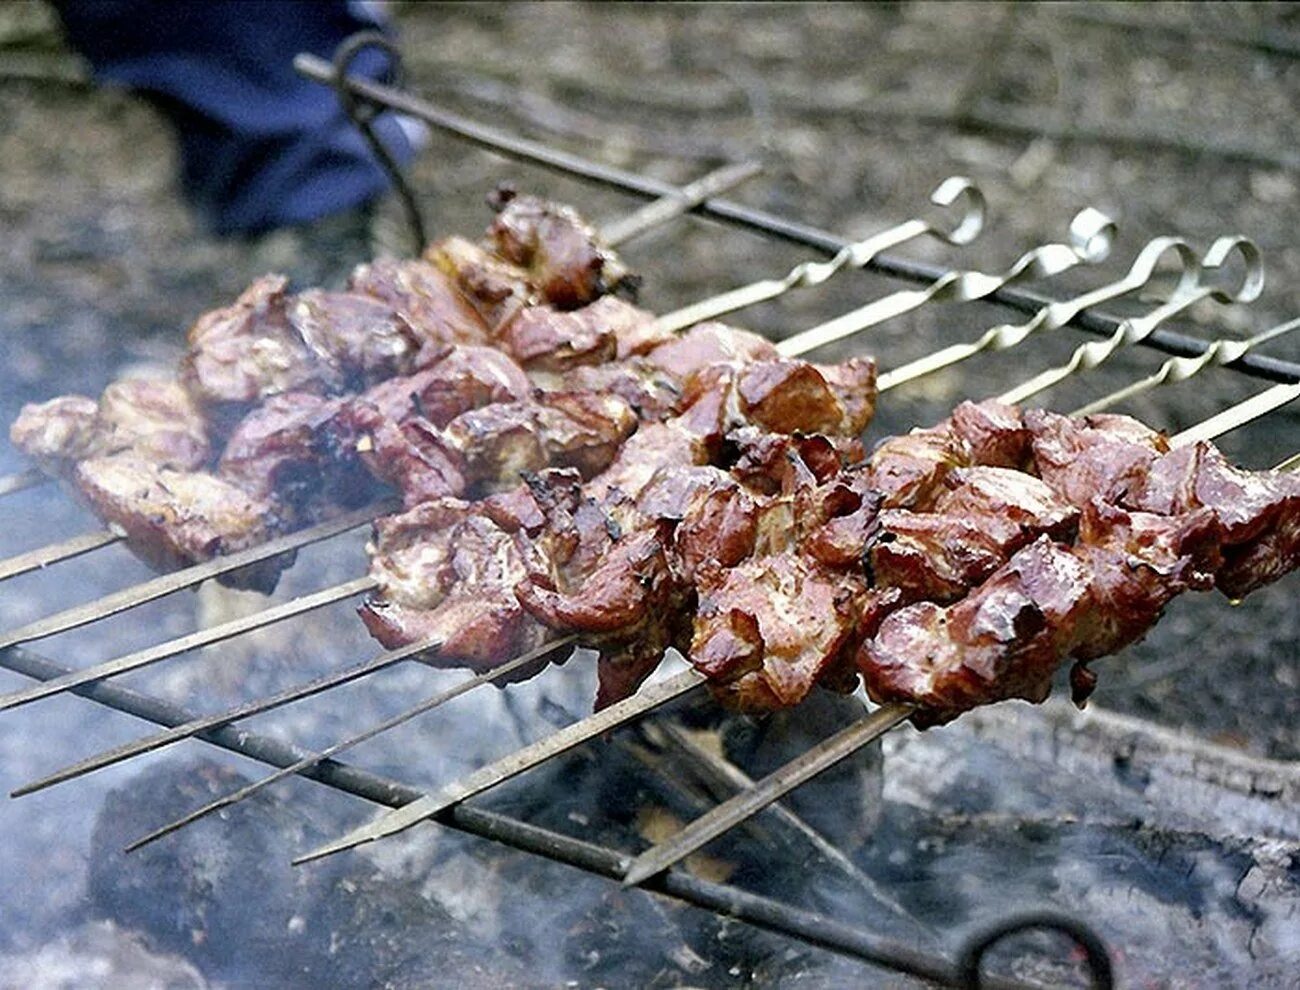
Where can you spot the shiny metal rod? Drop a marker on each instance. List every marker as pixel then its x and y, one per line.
pixel 1090 237
pixel 955 191
pixel 201 725
pixel 1054 315
pixel 192 641
pixel 649 697
pixel 1218 353
pixel 773 787
pixel 1136 330
pixel 429 704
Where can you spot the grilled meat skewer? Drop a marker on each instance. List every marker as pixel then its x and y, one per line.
pixel 991 579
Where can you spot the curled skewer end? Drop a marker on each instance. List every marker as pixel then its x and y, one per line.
pixel 1251 282
pixel 1171 255
pixel 959 191
pixel 1092 235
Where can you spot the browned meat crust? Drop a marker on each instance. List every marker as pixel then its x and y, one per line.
pixel 171 518
pixel 152 419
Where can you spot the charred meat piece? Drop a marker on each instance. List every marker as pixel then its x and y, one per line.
pixel 707 344
pixel 653 394
pixel 175 518
pixel 1004 640
pixel 247 351
pixel 774 462
pixel 446 572
pixel 363 339
pixel 984 515
pixel 499 443
pixel 463 378
pixel 155 420
pixel 412 455
pixel 1258 512
pixel 563 255
pixel 426 298
pixel 991 434
pixel 780 396
pixel 1138 562
pixel 497 290
pixel 767 630
pixel 291 451
pixel 647 450
pixel 909 470
pixel 602 569
pixel 545 338
pixel 58 433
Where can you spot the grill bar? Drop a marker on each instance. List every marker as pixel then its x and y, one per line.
pixel 759 221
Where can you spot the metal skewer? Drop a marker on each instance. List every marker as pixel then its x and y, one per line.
pixel 53 553
pixel 649 697
pixel 1052 316
pixel 147 745
pixel 183 644
pixel 953 190
pixel 1134 331
pixel 771 788
pixel 1090 236
pixel 166 584
pixel 313 759
pixel 669 207
pixel 1237 415
pixel 1178 369
pixel 22 480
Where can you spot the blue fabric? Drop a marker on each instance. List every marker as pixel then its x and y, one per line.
pixel 261 147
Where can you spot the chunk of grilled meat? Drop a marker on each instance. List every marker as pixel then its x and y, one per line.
pixel 563 255
pixel 293 452
pixel 58 433
pixel 1048 603
pixel 244 352
pixel 171 518
pixel 446 571
pixel 909 470
pixel 426 298
pixel 981 517
pixel 359 338
pixel 1257 511
pixel 545 338
pixel 1087 457
pixel 152 419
